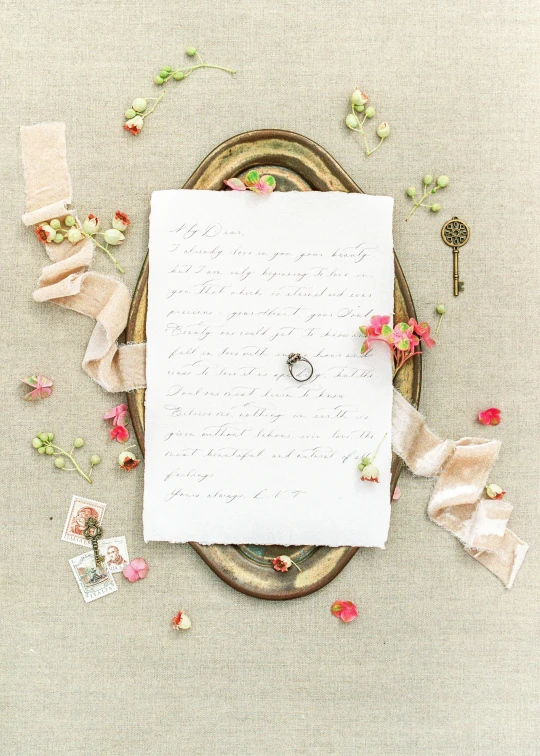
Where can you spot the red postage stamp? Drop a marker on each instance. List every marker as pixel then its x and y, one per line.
pixel 79 512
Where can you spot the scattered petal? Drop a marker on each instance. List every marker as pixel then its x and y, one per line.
pixel 491 416
pixel 236 184
pixel 181 621
pixel 345 610
pixel 137 569
pixel 282 563
pixel 396 496
pixel 41 386
pixel 116 412
pixel 494 491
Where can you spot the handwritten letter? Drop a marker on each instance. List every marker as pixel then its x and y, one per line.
pixel 236 450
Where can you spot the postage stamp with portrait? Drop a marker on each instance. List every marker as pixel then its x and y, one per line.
pixel 94 582
pixel 79 511
pixel 115 552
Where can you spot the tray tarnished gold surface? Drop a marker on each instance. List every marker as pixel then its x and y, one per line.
pixel 302 165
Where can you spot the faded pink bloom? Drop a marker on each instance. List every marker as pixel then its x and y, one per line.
pixel 41 387
pixel 120 417
pixel 236 184
pixel 137 569
pixel 491 416
pixel 396 496
pixel 423 330
pixel 345 610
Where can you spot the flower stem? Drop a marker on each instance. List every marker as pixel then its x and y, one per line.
pixel 439 323
pixel 377 449
pixel 63 452
pixel 377 147
pixel 297 567
pixel 113 258
pixel 157 100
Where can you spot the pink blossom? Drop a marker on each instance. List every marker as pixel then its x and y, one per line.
pixel 120 433
pixel 491 416
pixel 41 387
pixel 423 330
pixel 137 569
pixel 396 496
pixel 345 610
pixel 120 417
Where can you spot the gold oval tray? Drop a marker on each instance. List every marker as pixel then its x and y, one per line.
pixel 302 165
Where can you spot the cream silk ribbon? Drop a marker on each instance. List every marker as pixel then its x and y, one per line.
pixel 458 502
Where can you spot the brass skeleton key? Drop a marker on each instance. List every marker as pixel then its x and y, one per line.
pixel 456 234
pixel 92 531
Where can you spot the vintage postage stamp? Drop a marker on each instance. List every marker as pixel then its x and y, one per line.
pixel 79 511
pixel 115 552
pixel 93 581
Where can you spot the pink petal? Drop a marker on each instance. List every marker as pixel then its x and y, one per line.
pixel 491 416
pixel 337 608
pixel 38 393
pixel 130 573
pixel 236 184
pixel 396 496
pixel 115 411
pixel 122 418
pixel 120 433
pixel 348 614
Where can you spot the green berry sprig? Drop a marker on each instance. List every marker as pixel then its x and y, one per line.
pixel 138 111
pixel 428 187
pixel 43 444
pixel 74 232
pixel 358 102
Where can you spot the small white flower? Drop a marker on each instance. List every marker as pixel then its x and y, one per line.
pixel 90 224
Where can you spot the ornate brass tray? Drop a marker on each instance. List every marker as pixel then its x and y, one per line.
pixel 297 164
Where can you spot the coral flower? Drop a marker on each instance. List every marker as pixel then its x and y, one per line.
pixel 423 330
pixel 45 233
pixel 491 416
pixel 128 461
pixel 345 610
pixel 137 569
pixel 134 125
pixel 120 433
pixel 120 221
pixel 282 563
pixel 181 621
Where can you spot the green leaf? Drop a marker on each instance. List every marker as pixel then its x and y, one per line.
pixel 252 178
pixel 386 330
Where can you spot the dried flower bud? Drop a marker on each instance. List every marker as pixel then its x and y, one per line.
pixel 384 130
pixel 494 491
pixel 371 473
pixel 90 224
pixel 127 461
pixel 113 236
pixel 120 221
pixel 134 125
pixel 45 233
pixel 181 621
pixel 358 97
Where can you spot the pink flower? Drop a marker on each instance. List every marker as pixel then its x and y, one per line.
pixel 41 387
pixel 491 416
pixel 282 563
pixel 254 182
pixel 120 433
pixel 120 417
pixel 45 233
pixel 345 610
pixel 137 569
pixel 423 330
pixel 403 338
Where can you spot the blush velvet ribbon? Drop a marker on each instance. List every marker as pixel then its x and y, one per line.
pixel 458 502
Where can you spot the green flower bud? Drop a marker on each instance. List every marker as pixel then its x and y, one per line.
pixel 384 130
pixel 60 462
pixel 58 238
pixel 167 68
pixel 139 105
pixel 443 181
pixel 129 114
pixel 435 208
pixel 178 75
pixel 95 460
pixel 358 97
pixel 49 450
pixel 411 191
pixel 50 436
pixel 78 443
pixel 358 108
pixel 441 309
pixel 158 80
pixel 370 112
pixel 41 450
pixel 69 221
pixel 163 73
pixel 351 121
pixel 55 223
pixel 44 437
pixel 74 235
pixel 191 51
pixel 113 236
pixel 37 443
pixel 427 179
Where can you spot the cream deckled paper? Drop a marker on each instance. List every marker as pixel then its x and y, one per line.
pixel 236 450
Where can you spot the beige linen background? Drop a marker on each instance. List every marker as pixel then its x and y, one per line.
pixel 442 660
